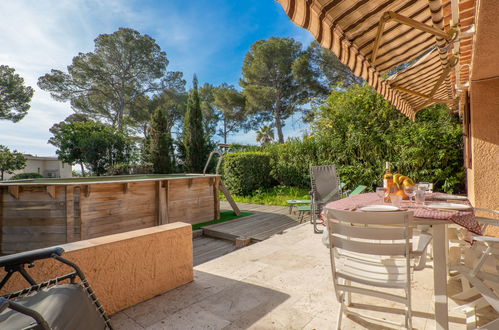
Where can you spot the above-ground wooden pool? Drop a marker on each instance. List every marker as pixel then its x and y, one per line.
pixel 45 212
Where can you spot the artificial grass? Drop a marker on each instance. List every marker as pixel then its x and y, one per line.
pixel 224 216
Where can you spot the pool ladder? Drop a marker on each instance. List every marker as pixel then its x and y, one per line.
pixel 226 191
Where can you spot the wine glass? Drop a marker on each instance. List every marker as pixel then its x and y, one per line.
pixel 424 186
pixel 380 191
pixel 410 190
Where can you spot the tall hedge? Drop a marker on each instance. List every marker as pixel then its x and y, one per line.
pixel 161 144
pixel 246 172
pixel 290 161
pixel 194 140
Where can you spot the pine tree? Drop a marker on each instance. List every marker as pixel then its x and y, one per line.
pixel 161 144
pixel 193 136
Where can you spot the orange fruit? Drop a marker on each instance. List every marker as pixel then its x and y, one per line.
pixel 402 193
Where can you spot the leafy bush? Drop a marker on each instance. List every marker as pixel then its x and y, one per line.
pixel 291 161
pixel 358 131
pixel 126 169
pixel 246 172
pixel 23 176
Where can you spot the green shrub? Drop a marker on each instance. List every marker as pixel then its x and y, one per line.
pixel 126 169
pixel 358 131
pixel 291 161
pixel 246 172
pixel 23 176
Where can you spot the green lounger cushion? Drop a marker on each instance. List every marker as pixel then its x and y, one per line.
pixel 358 190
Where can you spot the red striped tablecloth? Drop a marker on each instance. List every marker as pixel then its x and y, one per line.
pixel 465 219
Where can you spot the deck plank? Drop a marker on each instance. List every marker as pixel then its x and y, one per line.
pixel 206 249
pixel 266 222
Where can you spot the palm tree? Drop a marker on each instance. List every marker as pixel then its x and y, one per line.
pixel 265 135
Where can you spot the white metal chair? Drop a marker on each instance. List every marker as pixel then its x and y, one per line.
pixel 373 249
pixel 479 274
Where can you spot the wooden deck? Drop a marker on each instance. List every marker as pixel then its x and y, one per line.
pixel 207 248
pixel 266 222
pixel 219 239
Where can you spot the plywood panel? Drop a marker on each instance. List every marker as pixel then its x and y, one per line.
pixel 75 212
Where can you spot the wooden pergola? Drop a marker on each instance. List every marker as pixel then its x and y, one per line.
pixel 413 52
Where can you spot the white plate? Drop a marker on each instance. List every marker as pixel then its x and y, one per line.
pixel 449 206
pixel 379 208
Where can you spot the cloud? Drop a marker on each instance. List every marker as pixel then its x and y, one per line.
pixel 37 36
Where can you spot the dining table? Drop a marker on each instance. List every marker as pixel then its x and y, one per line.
pixel 436 220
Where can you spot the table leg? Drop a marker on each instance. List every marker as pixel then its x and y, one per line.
pixel 440 276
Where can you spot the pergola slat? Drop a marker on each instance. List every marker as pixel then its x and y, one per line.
pixel 377 36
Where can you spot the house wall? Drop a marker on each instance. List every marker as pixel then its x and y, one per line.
pixel 483 176
pixel 43 165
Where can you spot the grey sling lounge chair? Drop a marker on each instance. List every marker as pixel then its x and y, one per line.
pixel 63 302
pixel 325 188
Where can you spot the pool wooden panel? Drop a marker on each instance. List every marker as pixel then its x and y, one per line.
pixel 35 215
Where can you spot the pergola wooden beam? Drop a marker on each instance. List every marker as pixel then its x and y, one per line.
pixel 379 34
pixel 420 26
pixel 452 62
pixel 408 91
pixel 393 16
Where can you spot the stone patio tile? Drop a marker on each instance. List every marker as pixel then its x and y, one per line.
pixel 295 281
pixel 122 321
pixel 234 266
pixel 281 318
pixel 160 307
pixel 322 322
pixel 193 317
pixel 244 303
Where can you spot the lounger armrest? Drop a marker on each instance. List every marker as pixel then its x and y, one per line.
pixel 40 321
pixel 29 256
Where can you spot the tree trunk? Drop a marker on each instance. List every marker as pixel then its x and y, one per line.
pixel 82 169
pixel 225 130
pixel 278 122
pixel 278 126
pixel 121 108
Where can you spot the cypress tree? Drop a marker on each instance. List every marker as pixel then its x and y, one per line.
pixel 193 138
pixel 161 144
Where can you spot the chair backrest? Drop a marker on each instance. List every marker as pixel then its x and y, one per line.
pixel 371 233
pixel 325 184
pixel 372 248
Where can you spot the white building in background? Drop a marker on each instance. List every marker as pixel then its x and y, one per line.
pixel 49 167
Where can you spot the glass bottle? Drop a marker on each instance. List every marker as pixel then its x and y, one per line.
pixel 387 182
